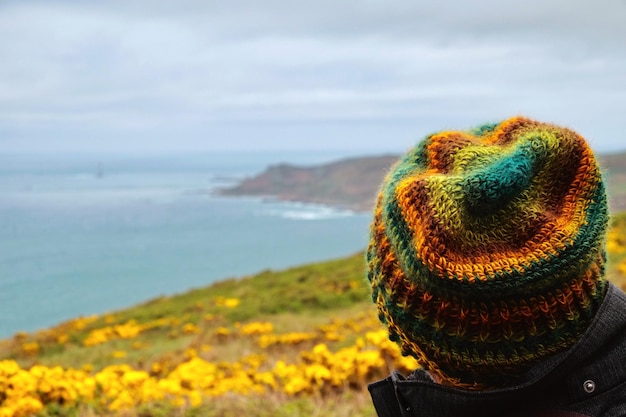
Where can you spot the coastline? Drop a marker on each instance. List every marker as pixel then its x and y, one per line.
pixel 349 184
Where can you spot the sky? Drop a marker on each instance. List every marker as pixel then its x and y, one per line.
pixel 363 75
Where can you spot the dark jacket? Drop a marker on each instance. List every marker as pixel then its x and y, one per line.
pixel 587 380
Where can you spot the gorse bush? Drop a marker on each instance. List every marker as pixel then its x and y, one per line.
pixel 316 369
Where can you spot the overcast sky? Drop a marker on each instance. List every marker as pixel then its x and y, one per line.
pixel 367 75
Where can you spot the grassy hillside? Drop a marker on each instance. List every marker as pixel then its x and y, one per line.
pixel 614 167
pixel 299 342
pixel 270 339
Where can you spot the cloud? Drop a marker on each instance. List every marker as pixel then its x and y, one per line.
pixel 160 66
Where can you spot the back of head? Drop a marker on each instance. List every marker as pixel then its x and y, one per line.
pixel 487 249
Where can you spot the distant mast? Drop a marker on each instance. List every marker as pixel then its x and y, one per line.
pixel 99 171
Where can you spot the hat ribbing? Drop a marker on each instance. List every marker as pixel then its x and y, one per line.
pixel 487 249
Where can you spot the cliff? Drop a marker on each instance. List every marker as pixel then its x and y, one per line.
pixel 349 183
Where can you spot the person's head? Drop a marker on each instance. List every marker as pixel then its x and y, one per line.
pixel 486 251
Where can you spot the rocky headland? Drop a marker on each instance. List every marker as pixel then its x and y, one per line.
pixel 349 183
pixel 353 183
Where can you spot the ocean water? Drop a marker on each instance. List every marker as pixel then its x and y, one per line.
pixel 85 234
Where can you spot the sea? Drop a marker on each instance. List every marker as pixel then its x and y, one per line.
pixel 87 233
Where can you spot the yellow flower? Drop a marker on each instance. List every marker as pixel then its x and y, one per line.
pixel 30 348
pixel 190 328
pixel 134 378
pixel 222 331
pixel 256 327
pixel 296 385
pixel 191 353
pixel 615 243
pixel 118 354
pixel 128 330
pixel 226 302
pixel 265 378
pixel 81 322
pixel 317 374
pixel 22 407
pixel 97 337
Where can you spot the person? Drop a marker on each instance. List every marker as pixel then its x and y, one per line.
pixel 486 263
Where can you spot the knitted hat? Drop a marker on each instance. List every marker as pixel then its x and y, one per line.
pixel 487 249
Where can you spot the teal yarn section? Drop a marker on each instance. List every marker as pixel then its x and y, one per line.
pixel 491 188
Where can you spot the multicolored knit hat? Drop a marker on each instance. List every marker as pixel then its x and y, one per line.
pixel 487 249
